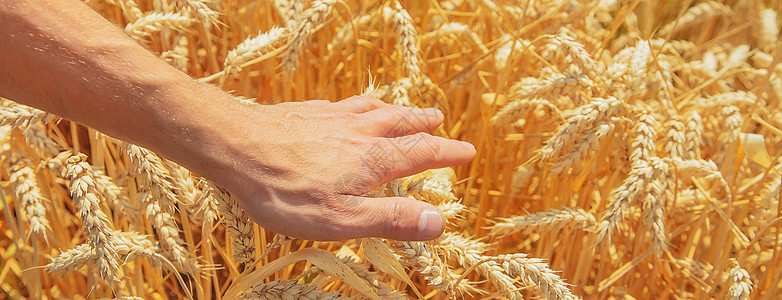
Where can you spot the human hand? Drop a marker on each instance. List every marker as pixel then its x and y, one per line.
pixel 300 168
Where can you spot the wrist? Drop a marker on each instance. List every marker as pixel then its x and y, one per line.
pixel 200 129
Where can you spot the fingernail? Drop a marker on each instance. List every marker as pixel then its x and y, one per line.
pixel 431 224
pixel 469 146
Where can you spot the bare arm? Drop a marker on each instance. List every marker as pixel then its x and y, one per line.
pixel 297 168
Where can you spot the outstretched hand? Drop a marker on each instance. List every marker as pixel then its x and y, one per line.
pixel 301 168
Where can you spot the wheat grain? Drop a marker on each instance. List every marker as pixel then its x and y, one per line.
pixel 643 146
pixel 205 209
pixel 635 186
pixel 675 138
pixel 487 267
pixel 382 289
pixel 693 136
pixel 127 245
pixel 451 210
pixel 510 45
pixel 564 44
pixel 288 10
pixel 399 92
pixel 728 139
pixel 769 194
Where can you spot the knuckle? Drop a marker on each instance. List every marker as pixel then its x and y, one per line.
pixel 369 101
pixel 346 116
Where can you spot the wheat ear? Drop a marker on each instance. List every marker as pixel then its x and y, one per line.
pixel 97 225
pixel 238 223
pixel 26 190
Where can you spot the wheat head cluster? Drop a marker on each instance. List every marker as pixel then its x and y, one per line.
pixel 625 149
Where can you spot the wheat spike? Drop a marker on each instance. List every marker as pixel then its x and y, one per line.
pixel 407 43
pixel 740 282
pixel 587 143
pixel 769 29
pixel 427 263
pixel 203 12
pixel 156 193
pixel 546 221
pixel 28 194
pixel 36 135
pixel 533 271
pixel 141 28
pixel 287 289
pixel 238 223
pixel 582 119
pixel 98 227
pixel 253 47
pixel 301 32
pixel 179 57
pixel 519 109
pixel 21 116
pixel 698 13
pixel 675 138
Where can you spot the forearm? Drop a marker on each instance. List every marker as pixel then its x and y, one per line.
pixel 62 57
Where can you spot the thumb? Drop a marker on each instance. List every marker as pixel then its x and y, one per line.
pixel 398 218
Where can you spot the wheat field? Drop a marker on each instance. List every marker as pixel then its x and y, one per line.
pixel 625 149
